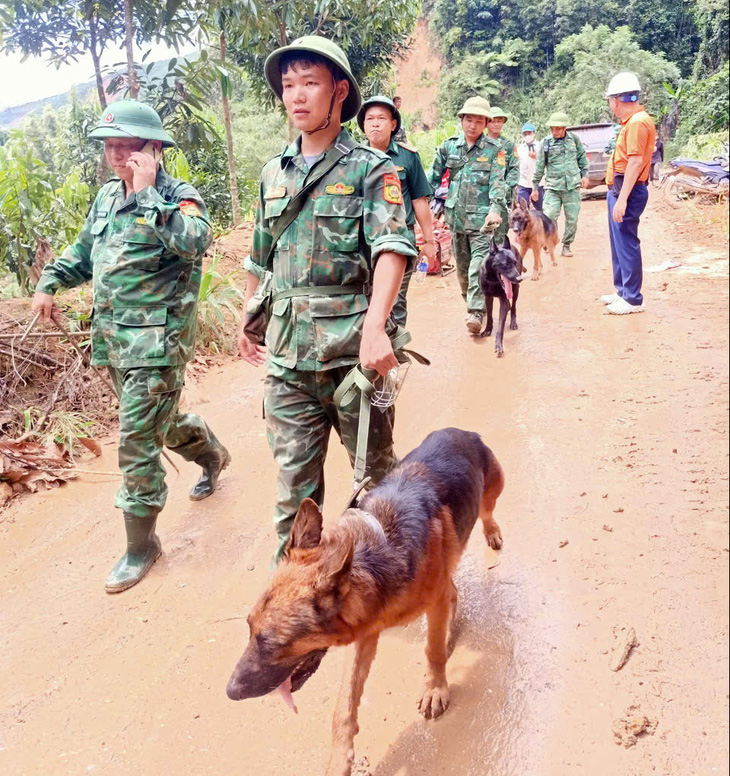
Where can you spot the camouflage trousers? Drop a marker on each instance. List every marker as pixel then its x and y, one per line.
pixel 570 202
pixel 300 412
pixel 501 231
pixel 400 308
pixel 148 420
pixel 470 249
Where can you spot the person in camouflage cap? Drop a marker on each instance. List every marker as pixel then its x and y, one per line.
pixel 495 123
pixel 476 198
pixel 564 163
pixel 141 247
pixel 336 272
pixel 380 120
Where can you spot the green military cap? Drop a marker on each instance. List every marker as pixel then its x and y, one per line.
pixel 129 118
pixel 378 99
pixel 498 113
pixel 475 106
pixel 558 119
pixel 316 44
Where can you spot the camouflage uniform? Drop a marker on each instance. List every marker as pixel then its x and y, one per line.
pixel 351 216
pixel 566 165
pixel 476 189
pixel 511 178
pixel 143 254
pixel 414 185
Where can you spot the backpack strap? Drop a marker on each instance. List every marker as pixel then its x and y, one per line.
pixel 294 208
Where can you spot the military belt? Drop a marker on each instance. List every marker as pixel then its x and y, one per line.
pixel 290 293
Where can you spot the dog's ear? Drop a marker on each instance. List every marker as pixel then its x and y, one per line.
pixel 492 246
pixel 507 244
pixel 306 533
pixel 523 204
pixel 337 564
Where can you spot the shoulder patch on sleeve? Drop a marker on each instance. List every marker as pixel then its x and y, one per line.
pixel 189 208
pixel 501 158
pixel 391 189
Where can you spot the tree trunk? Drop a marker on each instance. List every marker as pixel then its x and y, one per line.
pixel 132 82
pixel 235 201
pixel 93 44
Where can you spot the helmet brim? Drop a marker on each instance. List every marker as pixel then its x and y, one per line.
pixel 118 130
pixel 272 71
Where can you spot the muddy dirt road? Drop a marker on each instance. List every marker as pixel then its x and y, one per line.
pixel 613 434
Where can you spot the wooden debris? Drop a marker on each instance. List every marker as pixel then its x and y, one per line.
pixel 624 641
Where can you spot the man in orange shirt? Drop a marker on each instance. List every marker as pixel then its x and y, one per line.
pixel 627 177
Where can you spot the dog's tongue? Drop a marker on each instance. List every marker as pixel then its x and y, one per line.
pixel 285 692
pixel 507 286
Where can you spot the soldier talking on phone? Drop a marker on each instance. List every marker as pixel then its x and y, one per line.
pixel 142 246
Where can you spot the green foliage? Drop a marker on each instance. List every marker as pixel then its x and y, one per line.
pixel 584 64
pixel 62 427
pixel 703 106
pixel 370 33
pixel 219 302
pixel 25 195
pixel 427 142
pixel 705 146
pixel 472 76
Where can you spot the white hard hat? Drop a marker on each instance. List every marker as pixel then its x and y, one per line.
pixel 623 83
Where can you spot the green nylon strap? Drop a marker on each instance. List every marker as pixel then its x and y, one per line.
pixel 289 293
pixel 361 380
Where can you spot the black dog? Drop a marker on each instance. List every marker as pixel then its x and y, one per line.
pixel 499 276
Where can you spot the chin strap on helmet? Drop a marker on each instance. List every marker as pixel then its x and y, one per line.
pixel 328 120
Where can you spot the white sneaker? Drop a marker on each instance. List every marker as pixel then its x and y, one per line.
pixel 610 298
pixel 622 307
pixel 474 323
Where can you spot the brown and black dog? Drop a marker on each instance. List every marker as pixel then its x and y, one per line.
pixel 534 231
pixel 382 564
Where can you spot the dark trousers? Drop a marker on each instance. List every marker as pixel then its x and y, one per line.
pixel 523 192
pixel 625 243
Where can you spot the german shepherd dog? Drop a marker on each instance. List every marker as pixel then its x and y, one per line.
pixel 534 231
pixel 384 563
pixel 499 276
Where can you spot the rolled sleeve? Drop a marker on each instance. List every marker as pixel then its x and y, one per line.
pixel 384 220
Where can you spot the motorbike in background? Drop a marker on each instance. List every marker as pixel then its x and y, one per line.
pixel 689 178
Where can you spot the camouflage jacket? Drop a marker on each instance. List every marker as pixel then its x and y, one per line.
pixel 476 180
pixel 143 254
pixel 351 216
pixel 413 181
pixel 566 163
pixel 512 167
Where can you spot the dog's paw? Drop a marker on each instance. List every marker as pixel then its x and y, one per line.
pixel 487 332
pixel 499 350
pixel 493 536
pixel 535 276
pixel 434 702
pixel 555 263
pixel 513 326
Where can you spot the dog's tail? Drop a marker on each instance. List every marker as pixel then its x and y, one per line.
pixel 493 487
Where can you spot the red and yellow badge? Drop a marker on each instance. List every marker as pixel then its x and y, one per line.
pixel 501 159
pixel 391 189
pixel 189 208
pixel 340 189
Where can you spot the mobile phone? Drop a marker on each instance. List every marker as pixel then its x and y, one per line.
pixel 152 150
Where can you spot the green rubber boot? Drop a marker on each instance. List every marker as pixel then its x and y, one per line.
pixel 143 549
pixel 212 464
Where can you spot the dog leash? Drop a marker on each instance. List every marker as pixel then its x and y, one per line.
pixel 362 381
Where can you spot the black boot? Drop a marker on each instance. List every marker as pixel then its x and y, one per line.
pixel 143 549
pixel 212 464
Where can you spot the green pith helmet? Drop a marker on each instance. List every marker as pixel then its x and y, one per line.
pixel 129 118
pixel 315 44
pixel 498 113
pixel 558 119
pixel 379 99
pixel 475 106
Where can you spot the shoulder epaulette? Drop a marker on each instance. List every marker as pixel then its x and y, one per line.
pixel 407 147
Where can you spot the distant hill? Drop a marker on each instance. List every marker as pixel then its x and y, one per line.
pixel 11 118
